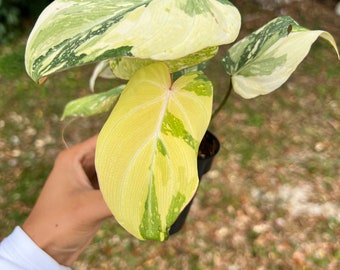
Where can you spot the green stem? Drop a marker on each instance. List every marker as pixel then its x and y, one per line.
pixel 227 95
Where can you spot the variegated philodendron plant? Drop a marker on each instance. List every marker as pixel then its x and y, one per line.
pixel 146 155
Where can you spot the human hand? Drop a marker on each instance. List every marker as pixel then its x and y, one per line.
pixel 70 208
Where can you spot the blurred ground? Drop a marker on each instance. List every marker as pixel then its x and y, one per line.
pixel 271 200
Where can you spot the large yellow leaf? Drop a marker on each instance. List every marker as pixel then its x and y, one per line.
pixel 146 156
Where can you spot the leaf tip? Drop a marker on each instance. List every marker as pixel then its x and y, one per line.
pixel 42 80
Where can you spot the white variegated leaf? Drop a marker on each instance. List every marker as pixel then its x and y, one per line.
pixel 73 33
pixel 263 61
pixel 126 67
pixel 92 104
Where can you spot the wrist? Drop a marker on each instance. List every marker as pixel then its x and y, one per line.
pixel 52 243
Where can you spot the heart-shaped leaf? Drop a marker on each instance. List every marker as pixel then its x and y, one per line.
pixel 126 67
pixel 261 62
pixel 72 33
pixel 146 155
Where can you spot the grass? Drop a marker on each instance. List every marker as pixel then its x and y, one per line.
pixel 278 153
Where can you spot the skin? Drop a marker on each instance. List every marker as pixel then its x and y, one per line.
pixel 70 208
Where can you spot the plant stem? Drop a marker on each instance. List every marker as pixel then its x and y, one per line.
pixel 226 97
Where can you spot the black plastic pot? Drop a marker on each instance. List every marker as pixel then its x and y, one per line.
pixel 208 149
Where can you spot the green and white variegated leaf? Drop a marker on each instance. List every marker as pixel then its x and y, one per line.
pixel 125 67
pixel 92 104
pixel 261 62
pixel 146 154
pixel 200 67
pixel 72 33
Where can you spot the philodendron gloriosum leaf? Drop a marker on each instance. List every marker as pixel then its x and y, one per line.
pixel 261 62
pixel 92 104
pixel 72 33
pixel 125 67
pixel 146 154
